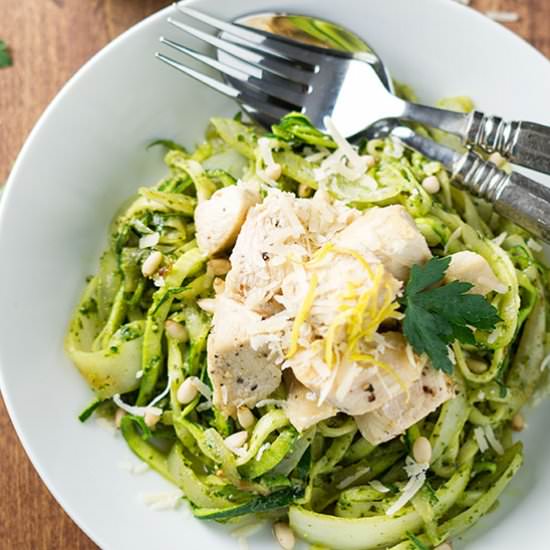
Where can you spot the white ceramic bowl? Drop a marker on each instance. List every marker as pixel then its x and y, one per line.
pixel 87 155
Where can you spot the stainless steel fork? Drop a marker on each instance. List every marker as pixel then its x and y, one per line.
pixel 276 76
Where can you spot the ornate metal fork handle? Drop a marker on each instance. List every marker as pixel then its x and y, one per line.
pixel 515 196
pixel 522 143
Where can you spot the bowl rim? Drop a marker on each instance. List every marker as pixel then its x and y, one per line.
pixel 8 189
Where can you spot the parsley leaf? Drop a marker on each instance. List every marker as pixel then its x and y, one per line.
pixel 5 57
pixel 437 316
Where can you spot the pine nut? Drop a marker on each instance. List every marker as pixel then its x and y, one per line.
pixel 219 266
pixel 431 185
pixel 176 330
pixel 186 392
pixel 151 419
pixel 284 535
pixel 497 159
pixel 274 171
pixel 422 450
pixel 477 366
pixel 518 423
pixel 236 440
pixel 119 415
pixel 245 417
pixel 207 304
pixel 218 285
pixel 304 190
pixel 370 161
pixel 444 546
pixel 151 264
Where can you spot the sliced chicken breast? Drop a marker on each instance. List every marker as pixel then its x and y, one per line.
pixel 219 219
pixel 395 416
pixel 390 234
pixel 475 269
pixel 270 243
pixel 359 387
pixel 240 374
pixel 302 408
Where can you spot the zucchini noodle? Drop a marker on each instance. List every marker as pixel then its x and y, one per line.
pixel 142 326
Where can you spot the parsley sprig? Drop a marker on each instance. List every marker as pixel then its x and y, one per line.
pixel 5 57
pixel 436 316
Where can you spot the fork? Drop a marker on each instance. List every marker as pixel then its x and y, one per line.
pixel 271 75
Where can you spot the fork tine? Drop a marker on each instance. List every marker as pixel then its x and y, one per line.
pixel 225 89
pixel 278 92
pixel 214 63
pixel 264 42
pixel 275 66
pixel 253 101
pixel 265 108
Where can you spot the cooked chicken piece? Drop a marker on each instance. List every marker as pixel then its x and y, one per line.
pixel 219 219
pixel 302 408
pixel 270 243
pixel 240 374
pixel 357 388
pixel 472 268
pixel 395 416
pixel 390 234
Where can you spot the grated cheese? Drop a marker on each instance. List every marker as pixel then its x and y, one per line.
pixel 503 16
pixel 244 532
pixel 346 482
pixel 481 440
pixel 417 477
pixel 164 500
pixel 128 466
pixel 499 239
pixel 149 241
pixel 379 486
pixel 262 450
pixel 202 388
pixel 136 411
pixel 493 441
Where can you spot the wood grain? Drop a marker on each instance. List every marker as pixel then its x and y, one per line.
pixel 50 40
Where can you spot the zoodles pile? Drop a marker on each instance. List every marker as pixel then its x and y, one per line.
pixel 141 330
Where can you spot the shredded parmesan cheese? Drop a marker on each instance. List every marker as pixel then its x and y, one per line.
pixel 148 241
pixel 417 477
pixel 503 16
pixel 379 486
pixel 346 482
pixel 262 450
pixel 139 468
pixel 164 500
pixel 481 440
pixel 493 441
pixel 136 411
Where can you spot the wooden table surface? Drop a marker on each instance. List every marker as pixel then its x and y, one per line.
pixel 50 40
